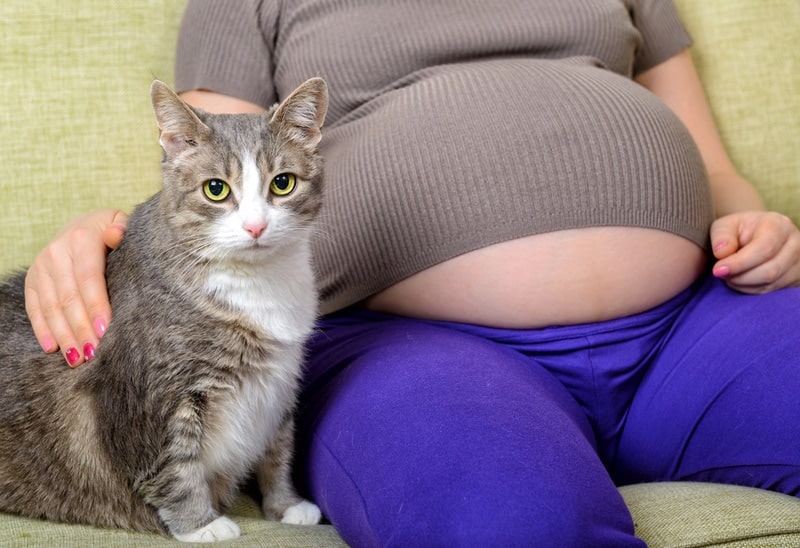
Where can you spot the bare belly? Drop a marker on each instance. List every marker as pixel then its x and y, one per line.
pixel 559 278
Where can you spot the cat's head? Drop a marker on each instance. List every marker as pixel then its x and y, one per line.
pixel 240 186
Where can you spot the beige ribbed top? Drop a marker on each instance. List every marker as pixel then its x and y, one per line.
pixel 456 124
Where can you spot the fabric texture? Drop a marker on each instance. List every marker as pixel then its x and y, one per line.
pixel 79 134
pixel 415 433
pixel 690 514
pixel 256 532
pixel 412 429
pixel 474 125
pixel 79 131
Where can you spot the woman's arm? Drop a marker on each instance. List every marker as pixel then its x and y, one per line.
pixel 757 251
pixel 65 288
pixel 218 103
pixel 677 83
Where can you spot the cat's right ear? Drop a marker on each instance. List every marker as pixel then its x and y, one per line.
pixel 179 127
pixel 301 115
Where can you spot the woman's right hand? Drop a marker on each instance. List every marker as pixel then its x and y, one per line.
pixel 65 289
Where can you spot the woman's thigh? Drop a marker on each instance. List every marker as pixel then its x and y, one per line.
pixel 412 434
pixel 720 403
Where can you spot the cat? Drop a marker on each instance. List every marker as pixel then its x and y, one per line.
pixel 194 384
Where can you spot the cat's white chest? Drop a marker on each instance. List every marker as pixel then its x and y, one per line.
pixel 281 299
pixel 248 418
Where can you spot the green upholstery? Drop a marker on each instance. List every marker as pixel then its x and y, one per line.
pixel 78 134
pixel 23 532
pixel 748 55
pixel 694 514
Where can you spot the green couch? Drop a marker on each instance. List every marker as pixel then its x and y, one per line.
pixel 78 134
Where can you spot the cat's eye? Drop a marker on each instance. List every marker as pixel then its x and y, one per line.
pixel 216 190
pixel 283 184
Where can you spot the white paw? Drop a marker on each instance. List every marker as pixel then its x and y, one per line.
pixel 302 513
pixel 221 528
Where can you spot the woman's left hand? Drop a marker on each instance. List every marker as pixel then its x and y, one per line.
pixel 756 251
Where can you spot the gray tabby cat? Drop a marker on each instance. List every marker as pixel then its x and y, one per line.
pixel 194 383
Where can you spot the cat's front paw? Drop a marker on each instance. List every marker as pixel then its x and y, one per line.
pixel 302 513
pixel 221 528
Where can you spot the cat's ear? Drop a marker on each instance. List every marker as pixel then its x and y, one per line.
pixel 179 127
pixel 301 115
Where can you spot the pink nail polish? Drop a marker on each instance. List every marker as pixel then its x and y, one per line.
pixel 73 356
pixel 720 245
pixel 49 345
pixel 722 272
pixel 88 351
pixel 100 327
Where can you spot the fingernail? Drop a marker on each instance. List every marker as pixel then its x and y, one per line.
pixel 100 327
pixel 73 356
pixel 720 245
pixel 722 272
pixel 49 345
pixel 88 351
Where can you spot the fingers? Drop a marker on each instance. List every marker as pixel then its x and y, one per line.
pixel 768 256
pixel 53 305
pixel 65 290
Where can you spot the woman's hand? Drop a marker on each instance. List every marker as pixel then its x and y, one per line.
pixel 65 289
pixel 757 251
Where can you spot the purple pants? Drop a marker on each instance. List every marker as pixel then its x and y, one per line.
pixel 422 433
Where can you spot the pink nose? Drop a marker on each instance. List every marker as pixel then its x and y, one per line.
pixel 255 229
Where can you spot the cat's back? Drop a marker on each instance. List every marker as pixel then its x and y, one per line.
pixel 53 463
pixel 18 335
pixel 27 373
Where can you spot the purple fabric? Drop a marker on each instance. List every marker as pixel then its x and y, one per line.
pixel 421 433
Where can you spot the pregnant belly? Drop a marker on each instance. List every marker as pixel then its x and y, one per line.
pixel 557 278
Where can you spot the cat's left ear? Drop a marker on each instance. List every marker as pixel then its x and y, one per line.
pixel 302 114
pixel 179 126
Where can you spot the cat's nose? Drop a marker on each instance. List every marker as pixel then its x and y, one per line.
pixel 255 229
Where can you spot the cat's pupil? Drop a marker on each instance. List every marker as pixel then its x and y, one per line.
pixel 282 182
pixel 216 187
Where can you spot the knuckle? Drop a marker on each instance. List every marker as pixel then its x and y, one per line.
pixel 50 309
pixel 70 299
pixel 78 236
pixel 54 308
pixel 771 274
pixel 52 254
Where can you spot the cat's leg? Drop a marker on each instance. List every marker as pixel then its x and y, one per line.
pixel 280 500
pixel 178 486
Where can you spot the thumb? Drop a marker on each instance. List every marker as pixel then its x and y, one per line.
pixel 114 232
pixel 724 237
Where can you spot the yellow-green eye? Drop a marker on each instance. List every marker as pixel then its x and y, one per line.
pixel 216 190
pixel 283 184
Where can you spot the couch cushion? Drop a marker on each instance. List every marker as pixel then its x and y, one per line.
pixel 748 57
pixel 78 130
pixel 256 531
pixel 691 514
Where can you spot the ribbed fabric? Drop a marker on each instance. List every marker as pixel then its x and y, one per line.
pixel 456 124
